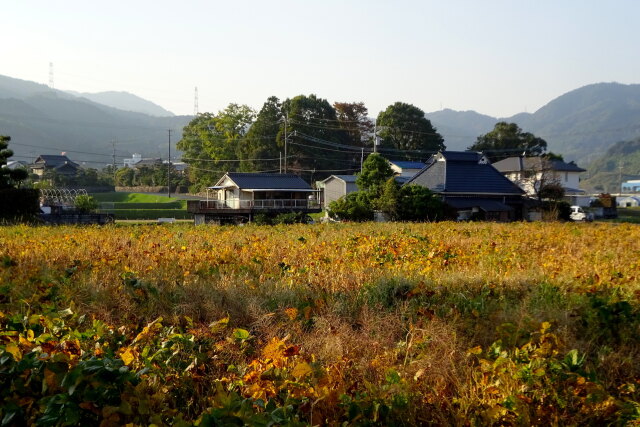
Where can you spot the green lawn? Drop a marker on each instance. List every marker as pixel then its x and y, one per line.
pixel 132 198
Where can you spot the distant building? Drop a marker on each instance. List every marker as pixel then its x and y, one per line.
pixel 58 163
pixel 529 173
pixel 137 161
pixel 632 186
pixel 16 164
pixel 628 202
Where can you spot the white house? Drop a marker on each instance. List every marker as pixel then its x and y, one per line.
pixel 532 172
pixel 632 186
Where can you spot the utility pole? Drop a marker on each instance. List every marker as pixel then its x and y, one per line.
pixel 113 142
pixel 375 136
pixel 620 179
pixel 286 140
pixel 169 167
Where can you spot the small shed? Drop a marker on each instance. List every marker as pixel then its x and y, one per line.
pixel 337 186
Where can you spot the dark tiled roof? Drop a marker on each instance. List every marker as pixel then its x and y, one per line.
pixel 53 160
pixel 462 172
pixel 407 165
pixel 271 181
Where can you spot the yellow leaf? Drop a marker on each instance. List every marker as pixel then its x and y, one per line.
pixel 14 350
pixel 475 350
pixel 291 312
pixel 301 370
pixel 127 356
pixel 30 335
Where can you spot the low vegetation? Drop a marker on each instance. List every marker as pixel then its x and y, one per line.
pixel 363 324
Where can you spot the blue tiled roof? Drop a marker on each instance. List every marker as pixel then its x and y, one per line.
pixel 407 165
pixel 271 181
pixel 462 173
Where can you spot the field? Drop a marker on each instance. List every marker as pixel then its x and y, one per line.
pixel 140 206
pixel 336 324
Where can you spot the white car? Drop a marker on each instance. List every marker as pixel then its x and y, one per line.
pixel 578 214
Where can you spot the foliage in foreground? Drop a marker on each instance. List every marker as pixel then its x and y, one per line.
pixel 372 324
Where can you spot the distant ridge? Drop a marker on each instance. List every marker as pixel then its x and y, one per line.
pixel 125 101
pixel 581 124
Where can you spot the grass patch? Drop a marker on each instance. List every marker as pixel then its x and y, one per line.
pixel 132 198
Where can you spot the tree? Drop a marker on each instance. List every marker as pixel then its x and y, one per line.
pixel 354 120
pixel 404 127
pixel 375 172
pixel 354 206
pixel 418 203
pixel 85 203
pixel 506 140
pixel 318 147
pixel 9 178
pixel 260 141
pixel 210 141
pixel 15 203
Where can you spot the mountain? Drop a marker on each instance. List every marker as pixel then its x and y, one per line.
pixel 621 162
pixel 581 124
pixel 460 128
pixel 41 120
pixel 125 101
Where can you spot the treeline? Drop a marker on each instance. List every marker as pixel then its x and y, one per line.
pixel 305 135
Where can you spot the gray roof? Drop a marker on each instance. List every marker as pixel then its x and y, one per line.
pixel 53 161
pixel 268 181
pixel 345 178
pixel 463 173
pixel 517 164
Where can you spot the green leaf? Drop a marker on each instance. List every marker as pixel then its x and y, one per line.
pixel 240 334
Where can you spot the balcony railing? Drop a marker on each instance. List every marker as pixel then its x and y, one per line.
pixel 209 205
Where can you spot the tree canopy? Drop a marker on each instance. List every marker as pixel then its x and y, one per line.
pixel 375 172
pixel 404 127
pixel 506 140
pixel 209 141
pixel 9 178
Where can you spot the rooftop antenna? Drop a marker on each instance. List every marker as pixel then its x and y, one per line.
pixel 195 102
pixel 51 75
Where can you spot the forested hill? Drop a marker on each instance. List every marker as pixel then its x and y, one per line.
pixel 41 120
pixel 125 101
pixel 581 124
pixel 620 162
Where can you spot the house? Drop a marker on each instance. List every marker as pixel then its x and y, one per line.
pixel 470 185
pixel 237 197
pixel 58 163
pixel 337 186
pixel 137 161
pixel 531 173
pixel 16 164
pixel 405 169
pixel 628 202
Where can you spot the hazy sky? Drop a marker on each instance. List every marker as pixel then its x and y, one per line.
pixel 495 57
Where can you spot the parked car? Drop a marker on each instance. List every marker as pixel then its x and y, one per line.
pixel 578 214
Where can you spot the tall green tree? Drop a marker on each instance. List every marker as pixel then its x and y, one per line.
pixel 210 143
pixel 507 140
pixel 353 118
pixel 375 172
pixel 404 127
pixel 260 141
pixel 317 145
pixel 9 178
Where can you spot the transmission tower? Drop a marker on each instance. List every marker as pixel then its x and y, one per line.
pixel 195 102
pixel 51 75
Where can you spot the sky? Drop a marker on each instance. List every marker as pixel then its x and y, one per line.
pixel 496 57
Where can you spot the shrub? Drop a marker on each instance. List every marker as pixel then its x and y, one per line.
pixel 352 207
pixel 86 203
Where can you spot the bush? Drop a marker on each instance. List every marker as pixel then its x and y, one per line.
pixel 354 206
pixel 86 203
